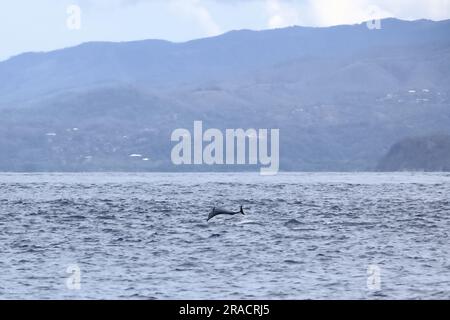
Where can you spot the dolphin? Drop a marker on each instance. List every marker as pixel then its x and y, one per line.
pixel 217 211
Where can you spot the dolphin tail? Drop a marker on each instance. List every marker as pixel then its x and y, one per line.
pixel 211 214
pixel 242 211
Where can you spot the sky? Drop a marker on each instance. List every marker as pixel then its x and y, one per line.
pixel 44 25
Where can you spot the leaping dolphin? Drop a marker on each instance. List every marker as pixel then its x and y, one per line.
pixel 217 211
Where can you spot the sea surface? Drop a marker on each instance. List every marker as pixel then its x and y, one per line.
pixel 145 236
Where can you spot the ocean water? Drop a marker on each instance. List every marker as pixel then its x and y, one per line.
pixel 145 236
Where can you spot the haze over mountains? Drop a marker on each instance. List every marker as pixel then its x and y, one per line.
pixel 341 96
pixel 430 153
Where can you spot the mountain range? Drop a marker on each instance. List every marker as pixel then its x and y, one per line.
pixel 341 96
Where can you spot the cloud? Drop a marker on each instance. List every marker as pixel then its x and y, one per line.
pixel 281 14
pixel 196 10
pixel 284 13
pixel 332 12
pixel 417 9
pixel 326 12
